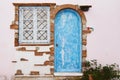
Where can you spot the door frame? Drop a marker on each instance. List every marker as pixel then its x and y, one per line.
pixel 83 20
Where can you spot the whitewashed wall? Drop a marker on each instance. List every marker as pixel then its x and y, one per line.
pixel 103 43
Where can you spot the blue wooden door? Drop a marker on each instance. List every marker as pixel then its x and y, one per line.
pixel 68 41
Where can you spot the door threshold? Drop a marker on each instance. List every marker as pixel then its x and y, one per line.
pixel 67 74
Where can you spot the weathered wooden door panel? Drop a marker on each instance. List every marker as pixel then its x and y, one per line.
pixel 68 41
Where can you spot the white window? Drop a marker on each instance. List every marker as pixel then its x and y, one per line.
pixel 34 25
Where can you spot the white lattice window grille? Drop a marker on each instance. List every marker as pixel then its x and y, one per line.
pixel 34 25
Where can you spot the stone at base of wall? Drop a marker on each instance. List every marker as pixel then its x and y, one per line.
pixel 50 77
pixel 32 77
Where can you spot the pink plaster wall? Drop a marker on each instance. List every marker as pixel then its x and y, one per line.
pixel 103 43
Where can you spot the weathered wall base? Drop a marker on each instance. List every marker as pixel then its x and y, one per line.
pixel 44 78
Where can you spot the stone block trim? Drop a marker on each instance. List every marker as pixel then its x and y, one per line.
pixel 51 48
pixel 75 7
pixel 16 43
pixel 84 53
pixel 23 59
pixel 41 53
pixel 34 73
pixel 38 53
pixel 39 65
pixel 34 4
pixel 84 41
pixel 51 58
pixel 14 26
pixel 50 63
pixel 14 61
pixel 86 31
pixel 52 70
pixel 21 49
pixel 19 72
pixel 35 51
